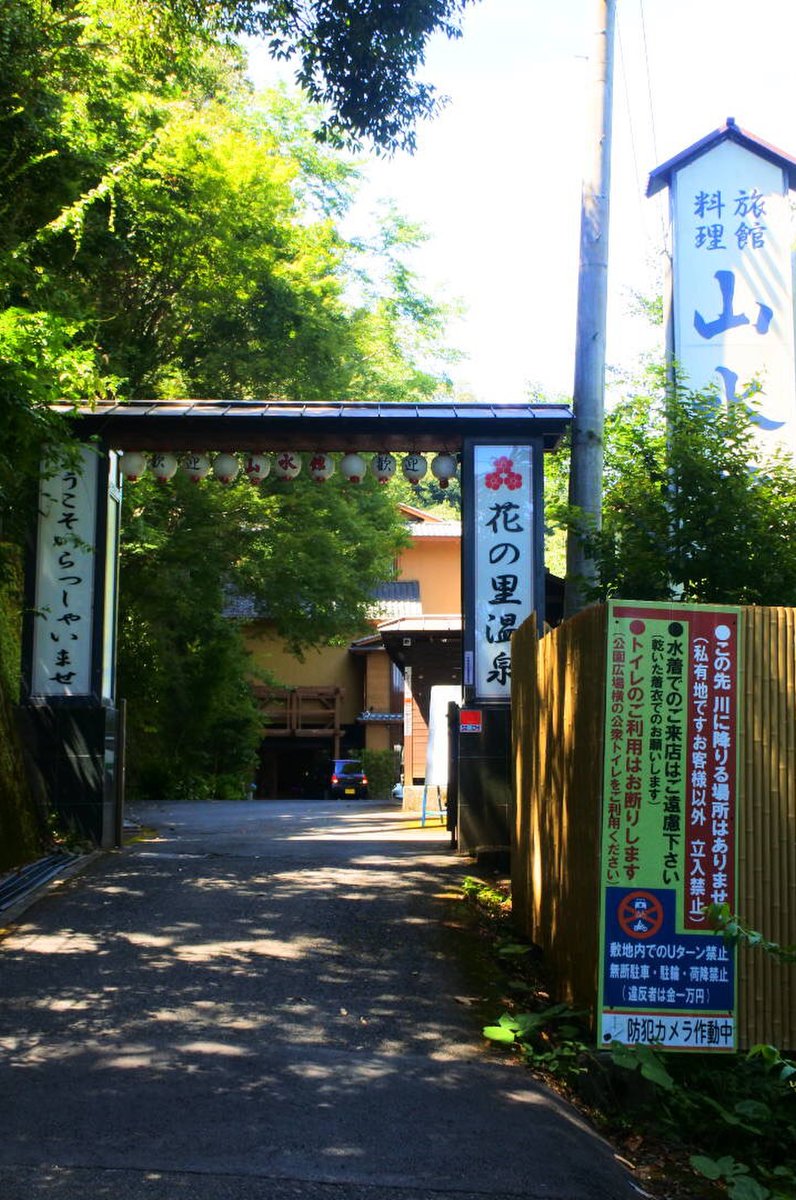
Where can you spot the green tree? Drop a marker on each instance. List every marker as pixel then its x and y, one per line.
pixel 168 233
pixel 304 555
pixel 358 58
pixel 693 508
pixel 83 88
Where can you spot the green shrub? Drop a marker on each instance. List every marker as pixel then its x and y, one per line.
pixel 382 768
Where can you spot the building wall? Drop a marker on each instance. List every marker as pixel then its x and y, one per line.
pixel 379 697
pixel 329 666
pixel 378 674
pixel 436 563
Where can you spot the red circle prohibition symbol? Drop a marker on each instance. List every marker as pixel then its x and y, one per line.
pixel 640 914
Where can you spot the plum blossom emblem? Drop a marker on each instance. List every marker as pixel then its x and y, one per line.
pixel 503 475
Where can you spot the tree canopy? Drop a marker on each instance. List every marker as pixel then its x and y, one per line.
pixel 166 232
pixel 694 508
pixel 358 58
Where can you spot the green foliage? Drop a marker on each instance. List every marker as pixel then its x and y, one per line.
pixel 307 556
pixel 358 60
pixel 553 1039
pixel 22 832
pixel 167 233
pixel 740 1184
pixel 382 768
pixel 485 895
pixel 193 727
pixel 645 1060
pixel 164 232
pixel 735 933
pixel 693 510
pixel 736 1114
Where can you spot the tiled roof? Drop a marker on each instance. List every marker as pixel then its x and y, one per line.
pixel 442 529
pixel 400 598
pixel 241 425
pixel 438 623
pixel 243 608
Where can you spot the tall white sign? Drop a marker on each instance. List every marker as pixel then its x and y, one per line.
pixel 504 561
pixel 65 563
pixel 732 284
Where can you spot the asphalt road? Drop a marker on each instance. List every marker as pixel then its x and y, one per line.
pixel 264 1000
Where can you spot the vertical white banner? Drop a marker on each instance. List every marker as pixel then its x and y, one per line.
pixel 504 561
pixel 65 564
pixel 408 697
pixel 733 287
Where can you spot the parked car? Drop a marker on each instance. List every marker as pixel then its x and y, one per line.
pixel 347 780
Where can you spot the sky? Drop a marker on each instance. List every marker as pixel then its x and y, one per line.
pixel 495 180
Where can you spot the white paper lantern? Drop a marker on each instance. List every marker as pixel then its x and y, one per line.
pixel 225 467
pixel 195 466
pixel 163 467
pixel 256 467
pixel 383 467
pixel 132 465
pixel 353 467
pixel 321 467
pixel 443 468
pixel 414 467
pixel 287 464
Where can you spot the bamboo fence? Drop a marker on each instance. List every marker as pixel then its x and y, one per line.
pixel 558 690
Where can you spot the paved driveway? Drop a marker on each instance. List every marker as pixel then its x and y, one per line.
pixel 263 1001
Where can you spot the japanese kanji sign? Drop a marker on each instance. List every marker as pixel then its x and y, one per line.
pixel 733 292
pixel 63 629
pixel 504 573
pixel 669 822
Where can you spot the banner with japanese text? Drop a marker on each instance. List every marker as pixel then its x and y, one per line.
pixel 504 561
pixel 63 628
pixel 668 851
pixel 733 283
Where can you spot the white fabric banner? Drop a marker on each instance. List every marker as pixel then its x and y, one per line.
pixel 504 574
pixel 732 286
pixel 63 626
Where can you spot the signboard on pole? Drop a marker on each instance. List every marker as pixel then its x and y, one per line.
pixel 732 282
pixel 669 825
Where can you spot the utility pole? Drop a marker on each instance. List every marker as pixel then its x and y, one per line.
pixel 586 470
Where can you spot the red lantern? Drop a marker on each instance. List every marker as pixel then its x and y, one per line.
pixel 287 464
pixel 353 467
pixel 256 467
pixel 443 468
pixel 225 467
pixel 321 467
pixel 414 467
pixel 163 467
pixel 195 466
pixel 132 464
pixel 383 467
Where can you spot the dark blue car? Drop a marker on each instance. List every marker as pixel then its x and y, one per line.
pixel 347 780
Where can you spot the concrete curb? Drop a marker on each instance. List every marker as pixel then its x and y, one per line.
pixel 10 915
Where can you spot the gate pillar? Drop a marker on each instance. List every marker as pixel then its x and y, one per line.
pixel 69 713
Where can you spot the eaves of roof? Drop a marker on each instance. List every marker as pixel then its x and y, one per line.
pixel 662 176
pixel 254 425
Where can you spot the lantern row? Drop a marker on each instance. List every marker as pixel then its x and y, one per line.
pixel 285 465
